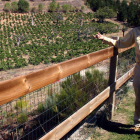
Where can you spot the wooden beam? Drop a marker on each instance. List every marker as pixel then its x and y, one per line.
pixel 62 129
pixel 59 131
pixel 112 79
pixel 124 78
pixel 19 86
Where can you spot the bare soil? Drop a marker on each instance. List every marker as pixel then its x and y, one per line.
pixel 9 74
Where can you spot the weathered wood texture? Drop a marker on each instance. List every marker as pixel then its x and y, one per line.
pixel 62 129
pixel 19 86
pixel 112 79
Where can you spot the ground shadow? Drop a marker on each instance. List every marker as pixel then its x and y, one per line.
pixel 116 127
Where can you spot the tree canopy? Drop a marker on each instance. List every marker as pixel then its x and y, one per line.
pixel 103 13
pixel 23 6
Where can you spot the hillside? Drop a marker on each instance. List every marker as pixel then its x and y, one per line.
pixel 35 3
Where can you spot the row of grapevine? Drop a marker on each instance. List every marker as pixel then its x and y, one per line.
pixel 48 37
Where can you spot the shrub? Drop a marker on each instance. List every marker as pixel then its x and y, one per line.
pixel 82 8
pixel 58 7
pixel 14 6
pixel 40 108
pixel 23 6
pixel 65 8
pixel 22 118
pixel 33 10
pixel 77 91
pixel 71 8
pixel 7 7
pixel 20 105
pixel 40 7
pixel 52 6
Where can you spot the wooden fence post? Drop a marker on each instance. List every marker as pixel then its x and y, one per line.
pixel 112 79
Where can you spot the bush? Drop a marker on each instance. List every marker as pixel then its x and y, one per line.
pixel 40 108
pixel 52 6
pixel 14 6
pixel 65 8
pixel 71 8
pixel 82 8
pixel 20 105
pixel 7 7
pixel 40 7
pixel 58 7
pixel 23 6
pixel 77 91
pixel 22 118
pixel 33 10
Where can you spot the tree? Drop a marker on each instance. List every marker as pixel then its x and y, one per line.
pixel 95 4
pixel 23 6
pixel 14 6
pixel 103 13
pixel 7 7
pixel 52 6
pixel 58 17
pixel 110 3
pixel 122 11
pixel 132 14
pixel 118 4
pixel 40 7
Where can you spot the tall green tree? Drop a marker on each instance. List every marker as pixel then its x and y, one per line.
pixel 110 4
pixel 132 14
pixel 122 11
pixel 23 6
pixel 118 3
pixel 103 13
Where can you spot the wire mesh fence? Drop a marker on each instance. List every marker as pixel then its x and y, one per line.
pixel 36 113
pixel 125 62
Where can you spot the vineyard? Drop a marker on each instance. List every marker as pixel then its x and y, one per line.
pixel 48 37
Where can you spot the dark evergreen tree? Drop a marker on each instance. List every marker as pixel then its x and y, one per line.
pixel 122 11
pixel 95 4
pixel 110 3
pixel 132 14
pixel 118 3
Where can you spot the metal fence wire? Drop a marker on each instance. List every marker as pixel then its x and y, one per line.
pixel 35 114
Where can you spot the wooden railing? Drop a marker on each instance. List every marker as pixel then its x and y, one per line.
pixel 19 86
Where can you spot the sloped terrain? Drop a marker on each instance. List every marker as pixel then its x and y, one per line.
pixel 35 3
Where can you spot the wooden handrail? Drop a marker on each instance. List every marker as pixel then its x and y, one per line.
pixel 19 86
